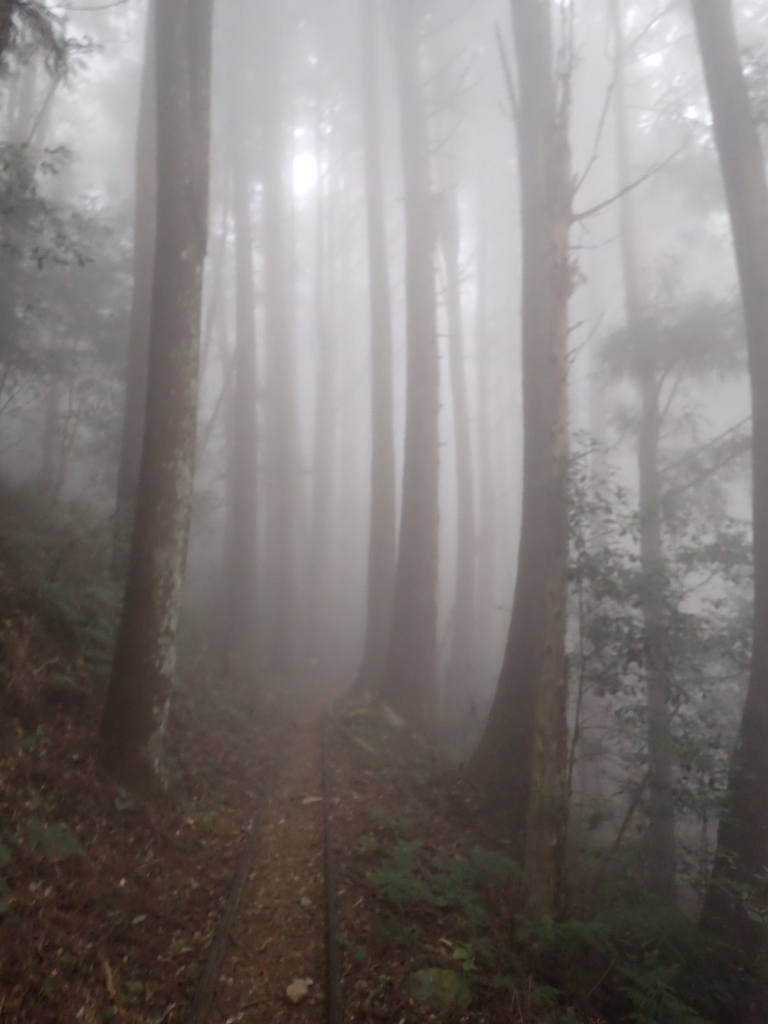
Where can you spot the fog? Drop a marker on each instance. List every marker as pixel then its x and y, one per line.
pixel 392 396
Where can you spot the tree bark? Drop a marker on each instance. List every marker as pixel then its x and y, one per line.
pixel 382 544
pixel 242 472
pixel 485 572
pixel 323 454
pixel 6 24
pixel 660 840
pixel 143 669
pixel 280 413
pixel 409 675
pixel 521 760
pixel 459 672
pixel 742 855
pixel 144 224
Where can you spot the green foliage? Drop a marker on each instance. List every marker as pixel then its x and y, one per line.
pixel 705 645
pixel 702 338
pixel 478 950
pixel 438 989
pixel 399 824
pixel 358 953
pixel 398 881
pixel 32 228
pixel 4 904
pixel 35 740
pixel 54 841
pixel 468 887
pixel 634 961
pixel 122 801
pixel 65 287
pixel 32 29
pixel 644 964
pixel 448 883
pixel 389 932
pixel 51 586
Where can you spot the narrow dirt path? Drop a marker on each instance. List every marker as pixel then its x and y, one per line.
pixel 279 934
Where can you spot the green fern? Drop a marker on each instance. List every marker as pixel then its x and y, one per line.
pixel 398 881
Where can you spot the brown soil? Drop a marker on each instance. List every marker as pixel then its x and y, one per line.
pixel 108 906
pixel 401 794
pixel 279 935
pixel 121 930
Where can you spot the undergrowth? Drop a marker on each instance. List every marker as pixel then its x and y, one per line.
pixel 58 610
pixel 631 961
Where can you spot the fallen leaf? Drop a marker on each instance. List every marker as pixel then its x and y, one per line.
pixel 108 976
pixel 309 800
pixel 298 990
pixel 391 718
pixel 305 901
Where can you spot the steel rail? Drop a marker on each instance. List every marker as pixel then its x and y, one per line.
pixel 205 992
pixel 333 975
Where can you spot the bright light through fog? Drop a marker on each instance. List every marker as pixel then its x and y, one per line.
pixel 304 173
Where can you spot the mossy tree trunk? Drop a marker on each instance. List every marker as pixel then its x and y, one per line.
pixel 242 471
pixel 409 674
pixel 144 222
pixel 521 759
pixel 382 543
pixel 144 665
pixel 742 854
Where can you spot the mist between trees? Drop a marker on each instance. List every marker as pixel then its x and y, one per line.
pixel 416 351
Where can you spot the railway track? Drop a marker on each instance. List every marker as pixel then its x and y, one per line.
pixel 205 1003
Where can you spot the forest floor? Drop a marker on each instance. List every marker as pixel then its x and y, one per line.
pixel 108 906
pixel 419 902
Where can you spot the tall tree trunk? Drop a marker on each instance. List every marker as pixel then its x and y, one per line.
pixel 280 411
pixel 382 545
pixel 16 228
pixel 742 857
pixel 6 24
pixel 409 673
pixel 144 663
pixel 144 223
pixel 461 657
pixel 51 421
pixel 521 758
pixel 660 840
pixel 485 571
pixel 322 461
pixel 26 97
pixel 242 472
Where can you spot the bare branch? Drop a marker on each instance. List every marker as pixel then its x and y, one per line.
pixel 508 76
pixel 630 46
pixel 650 173
pixel 598 139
